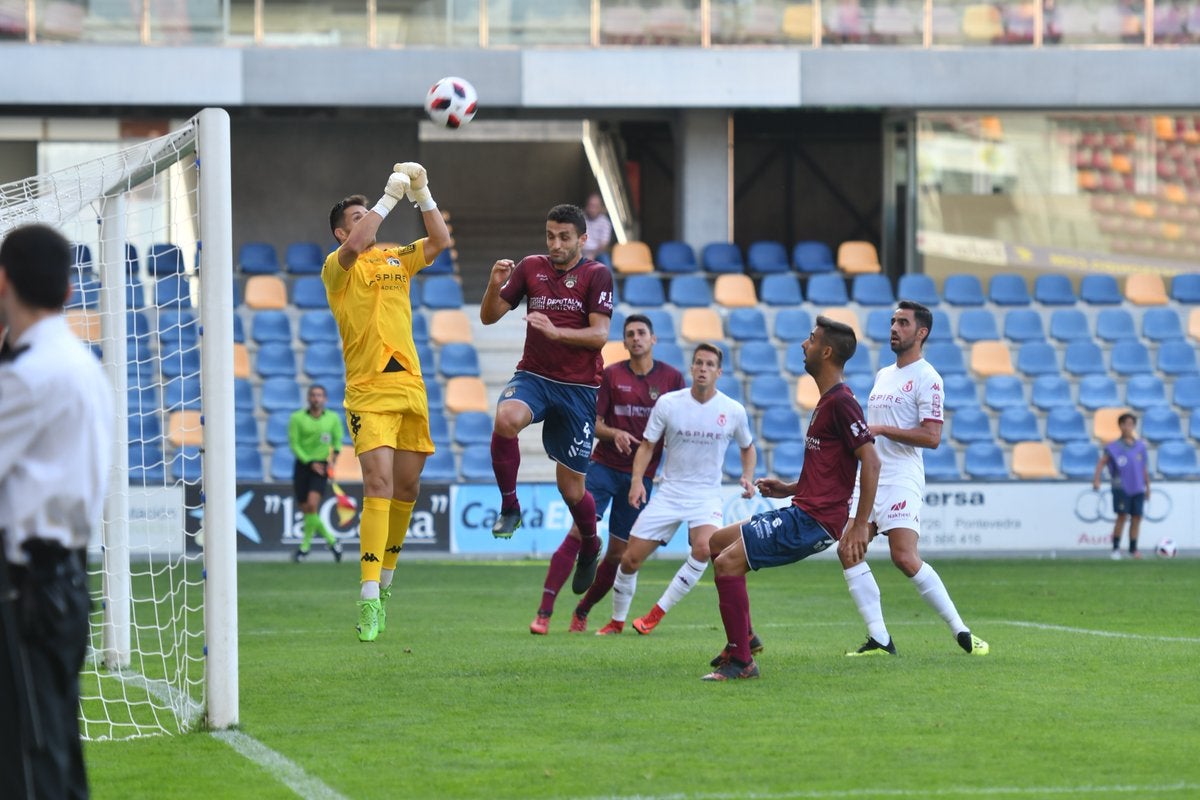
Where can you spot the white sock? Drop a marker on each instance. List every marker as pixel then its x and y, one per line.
pixel 686 577
pixel 623 588
pixel 385 577
pixel 933 591
pixel 865 592
pixel 370 590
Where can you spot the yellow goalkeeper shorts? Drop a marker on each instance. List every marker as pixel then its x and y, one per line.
pixel 400 431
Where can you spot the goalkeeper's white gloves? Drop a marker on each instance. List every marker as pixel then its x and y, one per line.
pixel 397 186
pixel 419 194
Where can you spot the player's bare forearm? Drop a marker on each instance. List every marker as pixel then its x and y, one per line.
pixel 868 481
pixel 493 306
pixel 929 435
pixel 749 462
pixel 437 235
pixel 641 460
pixel 361 237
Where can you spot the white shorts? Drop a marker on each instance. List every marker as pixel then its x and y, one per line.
pixel 895 507
pixel 662 516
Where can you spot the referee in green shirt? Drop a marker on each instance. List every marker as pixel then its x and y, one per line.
pixel 315 436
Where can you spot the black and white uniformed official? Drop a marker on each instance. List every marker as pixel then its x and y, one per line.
pixel 56 431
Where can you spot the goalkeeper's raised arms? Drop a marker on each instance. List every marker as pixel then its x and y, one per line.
pixel 397 186
pixel 419 194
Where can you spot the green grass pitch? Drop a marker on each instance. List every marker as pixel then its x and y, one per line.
pixel 1090 690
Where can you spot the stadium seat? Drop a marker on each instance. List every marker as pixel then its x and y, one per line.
pixel 439 468
pixel 722 257
pixel 177 328
pixel 861 385
pixel 81 258
pixel 1145 289
pixel 1033 461
pixel 175 362
pixel 1066 424
pixel 1193 324
pixel 942 330
pixel 781 425
pixel 146 463
pixel 671 353
pixel 241 361
pixel 450 326
pixel 1130 358
pixel 85 292
pixel 458 360
pixel 792 324
pixel 308 291
pixel 335 393
pixel 281 394
pixel 258 258
pixel 443 264
pixel 135 296
pixel 1050 392
pixel 1018 424
pixel 185 428
pixel 1194 424
pixel 416 293
pixel 662 321
pixel 676 257
pixel 734 291
pixel 164 259
pixel 1177 460
pixel 976 325
pixel 319 327
pixel 245 428
pixel 1104 423
pixel 984 461
pixel 304 258
pixel 466 394
pixel 812 256
pixel 747 324
pixel 442 291
pixel 1099 290
pixel 1078 460
pixel 879 325
pixel 266 292
pixel 1185 288
pixel 186 465
pixel 1115 325
pixel 1083 357
pixel 701 325
pixel 941 464
pixel 970 424
pixel 808 395
pixel 1161 424
pixel 630 258
pixel 84 324
pixel 758 358
pixel 872 290
pixel 477 464
pixel 1023 325
pixel 172 290
pixel 1145 391
pixel 1176 357
pixel 733 462
pixel 846 316
pixel 827 290
pixel 1006 289
pixel 781 289
pixel 767 257
pixel 1097 391
pixel 991 358
pixel 919 288
pixel 729 385
pixel 434 394
pixel 1161 325
pixel 946 358
pixel 643 291
pixel 276 360
pixel 959 391
pixel 690 291
pixel 439 430
pixel 1054 290
pixel 787 459
pixel 616 326
pixel 271 326
pixel 858 258
pixel 1069 325
pixel 859 363
pixel 793 358
pixel 472 427
pixel 277 428
pixel 243 395
pixel 282 464
pixel 1004 391
pixel 323 361
pixel 1186 392
pixel 767 391
pixel 963 290
pixel 886 358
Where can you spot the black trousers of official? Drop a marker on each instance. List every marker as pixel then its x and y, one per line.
pixel 44 609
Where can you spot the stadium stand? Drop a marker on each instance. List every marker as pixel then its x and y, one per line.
pixel 1161 424
pixel 476 464
pixel 918 288
pixel 700 325
pixel 472 427
pixel 320 327
pixel 1004 391
pixel 1145 391
pixel 941 464
pixel 1069 325
pixel 812 256
pixel 1023 325
pixel 675 257
pixel 857 257
pixel 787 459
pixel 303 258
pixel 1104 424
pixel 1078 460
pixel 1054 290
pixel 1145 289
pixel 766 257
pixel 1185 288
pixel 450 326
pixel 258 258
pixel 458 361
pixel 734 291
pixel 1099 290
pixel 1066 424
pixel 644 291
pixel 722 257
pixel 1008 290
pixel 689 291
pixel 828 289
pixel 746 324
pixel 991 358
pixel 872 290
pixel 439 467
pixel 1018 424
pixel 1161 325
pixel 970 424
pixel 1130 358
pixel 1050 392
pixel 782 289
pixel 963 290
pixel 266 292
pixel 733 463
pixel 466 394
pixel 792 325
pixel 984 461
pixel 1033 461
pixel 442 291
pixel 1177 459
pixel 1176 358
pixel 1115 325
pixel 629 258
pixel 977 324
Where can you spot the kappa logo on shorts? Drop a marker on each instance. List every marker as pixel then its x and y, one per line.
pixel 355 423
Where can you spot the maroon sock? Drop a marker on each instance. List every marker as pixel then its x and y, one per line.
pixel 606 573
pixel 734 603
pixel 506 460
pixel 561 564
pixel 584 514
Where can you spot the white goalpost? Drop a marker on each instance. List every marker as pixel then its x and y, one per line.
pixel 153 293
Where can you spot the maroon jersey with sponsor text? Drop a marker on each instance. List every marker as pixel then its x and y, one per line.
pixel 624 402
pixel 835 430
pixel 567 298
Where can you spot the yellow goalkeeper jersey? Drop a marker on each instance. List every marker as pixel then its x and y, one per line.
pixel 373 309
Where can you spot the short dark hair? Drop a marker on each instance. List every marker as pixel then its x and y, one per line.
pixel 642 318
pixel 921 315
pixel 37 262
pixel 840 337
pixel 709 348
pixel 565 212
pixel 319 386
pixel 337 214
pixel 1126 416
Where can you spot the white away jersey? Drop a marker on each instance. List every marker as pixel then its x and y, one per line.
pixel 904 397
pixel 695 437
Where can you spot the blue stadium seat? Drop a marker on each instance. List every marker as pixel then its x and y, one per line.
pixel 886 358
pixel 439 430
pixel 1186 392
pixel 420 327
pixel 243 395
pixel 434 394
pixel 1161 325
pixel 1083 357
pixel 767 257
pixel 1078 460
pixel 970 424
pixel 1194 424
pixel 1037 358
pixel 946 358
pixel 85 292
pixel 248 464
pixel 746 324
pixel 186 465
pixel 1098 391
pixel 443 264
pixel 1177 357
pixel 1130 358
pixel 792 324
pixel 173 290
pixel 245 428
pixel 135 296
pixel 146 463
pixel 1115 325
pixel 616 326
pixel 258 258
pixel 308 291
pixel 872 289
pixel 1069 325
pixel 942 330
pixel 239 330
pixel 963 290
pixel 827 289
pixel 1066 424
pixel 722 257
pixel 758 358
pixel 1006 289
pixel 276 360
pixel 787 459
pixel 175 362
pixel 675 257
pixel 133 263
pixel 919 288
pixel 1185 288
pixel 663 322
pixel 277 428
pixel 1018 424
pixel 81 258
pixel 767 391
pixel 304 258
pixel 442 291
pixel 690 291
pixel 879 325
pixel 458 360
pixel 1004 391
pixel 1144 391
pixel 730 385
pixel 439 468
pixel 137 326
pixel 984 461
pixel 1051 391
pixel 1023 325
pixel 270 326
pixel 941 464
pixel 1177 460
pixel 282 464
pixel 733 462
pixel 959 391
pixel 671 353
pixel 976 325
pixel 781 289
pixel 812 256
pixel 319 327
pixel 859 363
pixel 281 394
pixel 148 427
pixel 335 393
pixel 861 385
pixel 1161 424
pixel 323 361
pixel 1100 290
pixel 177 329
pixel 416 293
pixel 644 291
pixel 1054 290
pixel 473 427
pixel 164 259
pixel 143 401
pixel 477 464
pixel 781 425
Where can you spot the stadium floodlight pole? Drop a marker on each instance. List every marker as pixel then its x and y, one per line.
pixel 216 392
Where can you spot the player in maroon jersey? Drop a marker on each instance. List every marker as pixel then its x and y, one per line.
pixel 569 302
pixel 837 442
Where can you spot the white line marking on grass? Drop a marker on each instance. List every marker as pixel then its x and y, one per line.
pixel 1090 632
pixel 962 791
pixel 186 709
pixel 281 768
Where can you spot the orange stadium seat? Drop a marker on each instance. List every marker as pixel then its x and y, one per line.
pixel 632 257
pixel 701 325
pixel 797 22
pixel 266 292
pixel 466 393
pixel 184 430
pixel 991 357
pixel 856 258
pixel 1194 324
pixel 845 315
pixel 982 22
pixel 84 324
pixel 1146 289
pixel 807 393
pixel 346 468
pixel 735 291
pixel 1104 424
pixel 450 326
pixel 614 352
pixel 1033 461
pixel 241 361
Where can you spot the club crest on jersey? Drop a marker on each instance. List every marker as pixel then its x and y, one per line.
pixel 509 392
pixel 721 420
pixel 907 387
pixel 654 394
pixel 570 282
pixel 393 261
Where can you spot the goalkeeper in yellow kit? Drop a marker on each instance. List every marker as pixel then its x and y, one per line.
pixel 386 406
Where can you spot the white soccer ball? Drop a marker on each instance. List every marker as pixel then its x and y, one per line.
pixel 1166 548
pixel 451 102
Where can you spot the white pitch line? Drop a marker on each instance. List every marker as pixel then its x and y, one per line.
pixel 962 791
pixel 1090 632
pixel 283 769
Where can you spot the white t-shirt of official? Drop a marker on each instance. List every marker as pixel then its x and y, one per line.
pixel 695 437
pixel 904 397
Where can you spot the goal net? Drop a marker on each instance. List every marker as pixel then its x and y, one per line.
pixel 152 291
